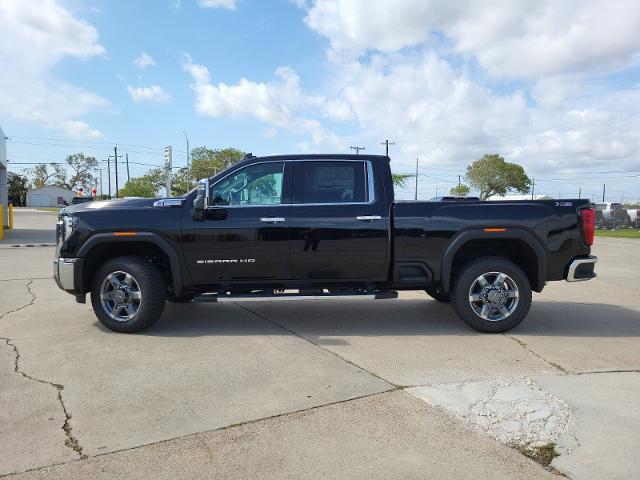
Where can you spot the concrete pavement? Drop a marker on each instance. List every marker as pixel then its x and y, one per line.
pixel 315 389
pixel 31 227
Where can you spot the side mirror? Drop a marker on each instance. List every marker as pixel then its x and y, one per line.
pixel 201 201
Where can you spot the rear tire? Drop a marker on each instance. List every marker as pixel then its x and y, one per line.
pixel 491 294
pixel 128 294
pixel 437 294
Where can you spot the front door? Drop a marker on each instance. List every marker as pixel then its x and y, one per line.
pixel 339 227
pixel 245 234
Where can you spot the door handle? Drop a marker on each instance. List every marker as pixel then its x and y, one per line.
pixel 364 218
pixel 272 219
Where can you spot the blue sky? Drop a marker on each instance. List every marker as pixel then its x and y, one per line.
pixel 559 93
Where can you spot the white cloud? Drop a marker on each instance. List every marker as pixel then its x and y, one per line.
pixel 508 39
pixel 227 4
pixel 152 93
pixel 445 99
pixel 35 37
pixel 280 103
pixel 144 60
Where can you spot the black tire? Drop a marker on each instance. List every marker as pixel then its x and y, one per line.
pixel 437 294
pixel 184 298
pixel 149 283
pixel 468 277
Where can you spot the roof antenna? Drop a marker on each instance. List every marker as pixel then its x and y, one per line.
pixel 247 155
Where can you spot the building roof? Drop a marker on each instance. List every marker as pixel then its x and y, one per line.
pixel 50 187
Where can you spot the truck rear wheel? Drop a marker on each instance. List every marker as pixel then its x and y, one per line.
pixel 491 295
pixel 128 294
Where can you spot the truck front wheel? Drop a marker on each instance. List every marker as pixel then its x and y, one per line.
pixel 128 294
pixel 491 294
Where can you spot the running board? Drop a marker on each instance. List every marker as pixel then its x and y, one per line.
pixel 282 297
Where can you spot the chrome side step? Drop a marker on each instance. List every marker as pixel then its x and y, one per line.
pixel 288 297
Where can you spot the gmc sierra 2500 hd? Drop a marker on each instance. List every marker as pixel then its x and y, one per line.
pixel 317 227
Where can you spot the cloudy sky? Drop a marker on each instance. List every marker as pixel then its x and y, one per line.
pixel 551 84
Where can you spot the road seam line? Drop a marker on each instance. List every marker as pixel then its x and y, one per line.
pixel 213 430
pixel 266 319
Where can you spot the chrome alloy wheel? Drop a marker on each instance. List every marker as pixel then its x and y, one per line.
pixel 493 296
pixel 120 296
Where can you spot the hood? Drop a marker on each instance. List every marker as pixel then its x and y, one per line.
pixel 109 205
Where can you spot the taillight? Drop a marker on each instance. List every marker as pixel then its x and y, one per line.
pixel 587 222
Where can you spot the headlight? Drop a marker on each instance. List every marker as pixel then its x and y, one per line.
pixel 66 226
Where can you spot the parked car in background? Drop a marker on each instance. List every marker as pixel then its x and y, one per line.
pixel 614 215
pixel 634 216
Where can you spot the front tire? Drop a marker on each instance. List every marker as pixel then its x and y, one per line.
pixel 491 295
pixel 128 294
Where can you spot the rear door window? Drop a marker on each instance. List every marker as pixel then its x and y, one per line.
pixel 331 182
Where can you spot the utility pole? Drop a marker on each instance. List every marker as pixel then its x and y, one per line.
pixel 168 161
pixel 386 143
pixel 101 181
pixel 115 159
pixel 188 169
pixel 458 181
pixel 115 155
pixel 416 196
pixel 128 177
pixel 109 173
pixel 533 187
pixel 357 149
pixel 580 192
pixel 604 189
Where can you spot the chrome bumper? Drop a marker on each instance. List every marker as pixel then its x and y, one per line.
pixel 581 269
pixel 63 272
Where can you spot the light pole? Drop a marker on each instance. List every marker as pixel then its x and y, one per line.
pixel 188 171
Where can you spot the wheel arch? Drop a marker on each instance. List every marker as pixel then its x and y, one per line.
pixel 514 244
pixel 103 246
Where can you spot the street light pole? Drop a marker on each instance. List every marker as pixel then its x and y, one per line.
pixel 188 176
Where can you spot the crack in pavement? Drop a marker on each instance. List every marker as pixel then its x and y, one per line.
pixel 71 441
pixel 204 432
pixel 533 352
pixel 292 332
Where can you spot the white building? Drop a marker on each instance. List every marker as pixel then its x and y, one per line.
pixel 49 196
pixel 3 177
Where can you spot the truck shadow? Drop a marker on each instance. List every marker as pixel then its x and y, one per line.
pixel 333 320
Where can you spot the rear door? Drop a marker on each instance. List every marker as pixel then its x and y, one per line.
pixel 339 221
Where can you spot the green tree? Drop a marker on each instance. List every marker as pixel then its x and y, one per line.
pixel 147 185
pixel 206 162
pixel 80 172
pixel 400 179
pixel 461 190
pixel 40 175
pixel 18 186
pixel 491 175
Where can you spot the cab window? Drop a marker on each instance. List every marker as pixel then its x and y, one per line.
pixel 331 182
pixel 259 184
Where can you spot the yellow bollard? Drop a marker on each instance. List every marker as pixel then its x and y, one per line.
pixel 1 222
pixel 10 216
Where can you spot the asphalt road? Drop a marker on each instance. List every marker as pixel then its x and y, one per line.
pixel 345 389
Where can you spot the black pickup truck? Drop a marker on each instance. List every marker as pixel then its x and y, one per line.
pixel 317 227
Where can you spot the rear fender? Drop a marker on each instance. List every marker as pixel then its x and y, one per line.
pixel 465 236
